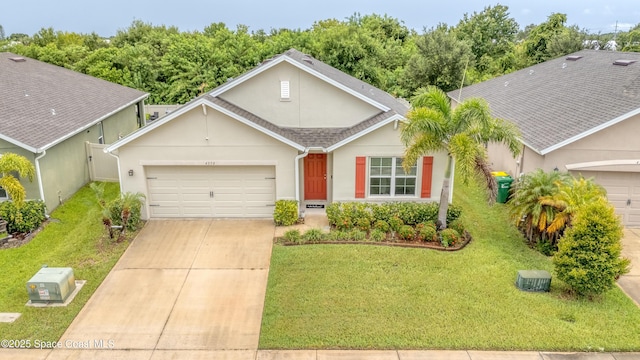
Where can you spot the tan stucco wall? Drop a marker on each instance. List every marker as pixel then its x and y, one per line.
pixel 118 125
pixel 313 102
pixel 382 142
pixel 203 138
pixel 617 142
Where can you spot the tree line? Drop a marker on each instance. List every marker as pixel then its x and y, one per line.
pixel 176 66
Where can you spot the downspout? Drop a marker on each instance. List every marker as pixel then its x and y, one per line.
pixel 296 167
pixel 39 174
pixel 119 172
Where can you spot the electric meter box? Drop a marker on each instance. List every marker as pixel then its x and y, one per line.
pixel 51 285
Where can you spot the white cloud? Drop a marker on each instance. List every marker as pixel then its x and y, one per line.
pixel 525 11
pixel 586 11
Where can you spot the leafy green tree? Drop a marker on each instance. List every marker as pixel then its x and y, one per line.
pixel 588 257
pixel 2 35
pixel 630 41
pixel 11 164
pixel 440 60
pixel 531 209
pixel 432 125
pixel 492 35
pixel 551 39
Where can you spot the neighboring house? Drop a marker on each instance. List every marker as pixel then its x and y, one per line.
pixel 49 113
pixel 292 128
pixel 578 113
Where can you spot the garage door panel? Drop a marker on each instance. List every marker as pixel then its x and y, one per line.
pixel 220 191
pixel 623 192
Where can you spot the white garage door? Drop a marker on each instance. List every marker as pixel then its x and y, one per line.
pixel 623 191
pixel 218 191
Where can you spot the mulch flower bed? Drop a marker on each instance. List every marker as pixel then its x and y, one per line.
pixel 434 245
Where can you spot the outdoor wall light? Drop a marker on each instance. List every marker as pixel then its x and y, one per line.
pixel 131 172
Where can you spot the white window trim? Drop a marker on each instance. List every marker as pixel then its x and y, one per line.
pixel 393 180
pixel 6 195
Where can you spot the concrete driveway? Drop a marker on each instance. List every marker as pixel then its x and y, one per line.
pixel 182 285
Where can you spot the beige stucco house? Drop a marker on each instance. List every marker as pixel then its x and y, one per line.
pixel 578 113
pixel 48 114
pixel 292 128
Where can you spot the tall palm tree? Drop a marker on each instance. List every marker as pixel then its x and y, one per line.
pixel 10 164
pixel 463 132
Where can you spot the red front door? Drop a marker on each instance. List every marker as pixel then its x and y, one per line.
pixel 315 177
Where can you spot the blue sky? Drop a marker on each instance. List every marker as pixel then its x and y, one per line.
pixel 106 17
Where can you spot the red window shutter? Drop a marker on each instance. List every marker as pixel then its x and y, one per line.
pixel 361 165
pixel 427 176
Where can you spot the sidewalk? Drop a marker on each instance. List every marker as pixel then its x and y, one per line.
pixel 306 355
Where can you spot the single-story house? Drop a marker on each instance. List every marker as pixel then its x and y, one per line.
pixel 578 113
pixel 292 128
pixel 48 114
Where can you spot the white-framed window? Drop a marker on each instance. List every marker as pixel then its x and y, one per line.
pixel 3 194
pixel 388 178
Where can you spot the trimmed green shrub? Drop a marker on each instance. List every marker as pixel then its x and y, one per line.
pixel 364 224
pixel 395 223
pixel 406 232
pixel 313 235
pixel 588 257
pixel 337 235
pixel 285 212
pixel 357 235
pixel 457 225
pixel 448 237
pixel 382 226
pixel 292 235
pixel 453 213
pixel 377 235
pixel 428 232
pixel 24 219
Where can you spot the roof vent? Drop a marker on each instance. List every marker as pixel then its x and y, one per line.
pixel 308 59
pixel 574 57
pixel 624 62
pixel 17 59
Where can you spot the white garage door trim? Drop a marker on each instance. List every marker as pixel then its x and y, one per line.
pixel 210 191
pixel 623 192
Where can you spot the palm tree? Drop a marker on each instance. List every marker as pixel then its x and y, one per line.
pixel 531 207
pixel 130 205
pixel 10 164
pixel 433 125
pixel 569 199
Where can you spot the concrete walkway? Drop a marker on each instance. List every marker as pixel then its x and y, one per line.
pixel 630 283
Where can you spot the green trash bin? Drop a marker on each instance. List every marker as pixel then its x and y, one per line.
pixel 504 181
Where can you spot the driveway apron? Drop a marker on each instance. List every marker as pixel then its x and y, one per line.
pixel 183 285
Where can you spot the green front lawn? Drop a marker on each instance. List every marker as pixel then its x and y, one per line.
pixel 74 238
pixel 367 297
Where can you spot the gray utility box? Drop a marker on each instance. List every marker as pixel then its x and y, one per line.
pixel 533 280
pixel 51 285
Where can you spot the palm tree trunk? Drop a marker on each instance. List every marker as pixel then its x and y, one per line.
pixel 444 195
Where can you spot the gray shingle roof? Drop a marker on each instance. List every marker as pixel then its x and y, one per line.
pixel 42 104
pixel 303 137
pixel 560 100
